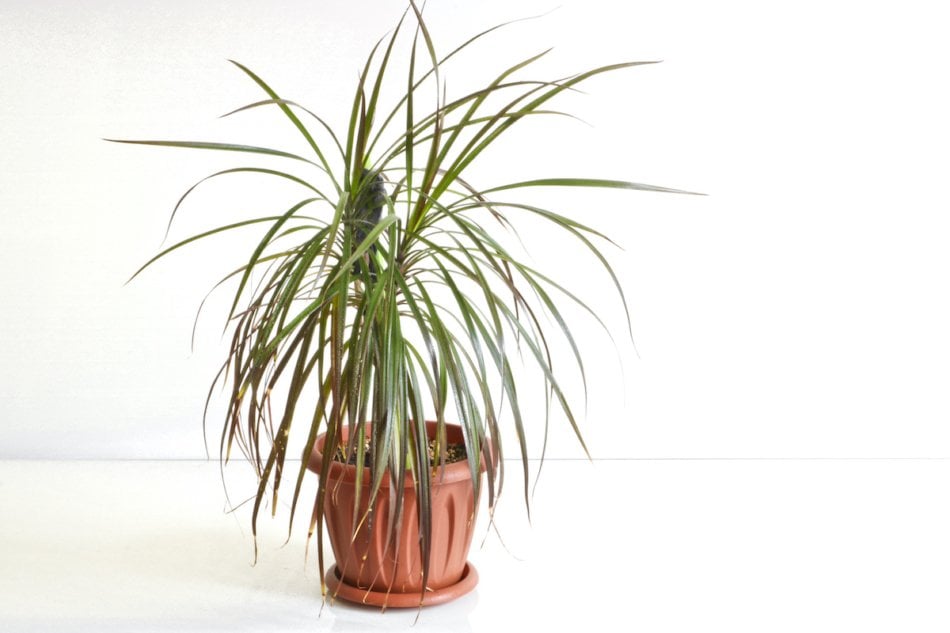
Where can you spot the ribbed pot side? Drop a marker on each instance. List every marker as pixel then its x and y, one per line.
pixel 370 560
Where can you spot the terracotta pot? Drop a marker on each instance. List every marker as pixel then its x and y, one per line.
pixel 367 568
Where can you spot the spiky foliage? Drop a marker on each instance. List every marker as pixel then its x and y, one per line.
pixel 384 293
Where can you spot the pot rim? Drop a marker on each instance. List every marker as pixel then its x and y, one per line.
pixel 447 473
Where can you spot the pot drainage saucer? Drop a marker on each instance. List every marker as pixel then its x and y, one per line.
pixel 337 588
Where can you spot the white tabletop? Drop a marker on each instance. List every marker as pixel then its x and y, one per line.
pixel 643 545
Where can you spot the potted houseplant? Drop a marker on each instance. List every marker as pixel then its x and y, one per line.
pixel 385 300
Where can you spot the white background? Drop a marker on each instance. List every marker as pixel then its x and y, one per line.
pixel 799 310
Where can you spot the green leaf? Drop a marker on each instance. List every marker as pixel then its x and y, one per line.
pixel 586 182
pixel 285 108
pixel 200 236
pixel 223 147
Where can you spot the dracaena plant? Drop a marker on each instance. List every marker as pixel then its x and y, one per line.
pixel 385 293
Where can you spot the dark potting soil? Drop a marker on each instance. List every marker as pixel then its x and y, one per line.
pixel 453 453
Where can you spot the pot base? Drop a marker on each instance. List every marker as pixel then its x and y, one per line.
pixel 337 588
